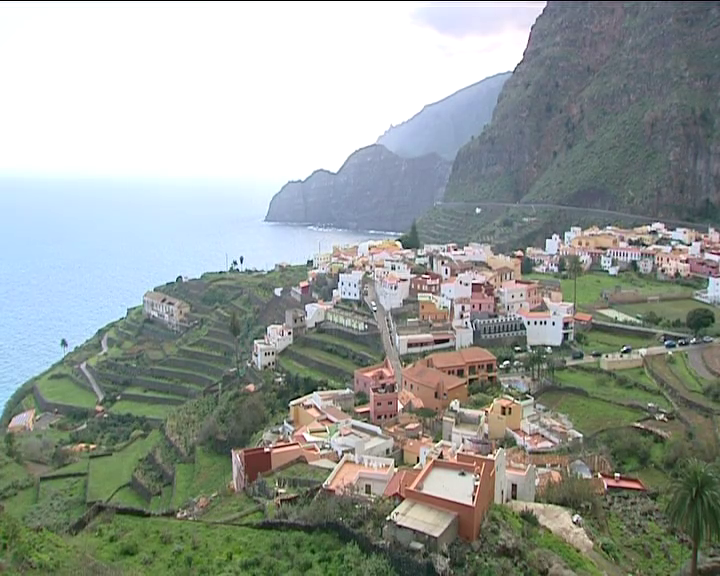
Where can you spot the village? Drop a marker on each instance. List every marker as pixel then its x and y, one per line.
pixel 438 381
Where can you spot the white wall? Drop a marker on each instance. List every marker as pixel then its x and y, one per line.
pixel 350 285
pixel 525 484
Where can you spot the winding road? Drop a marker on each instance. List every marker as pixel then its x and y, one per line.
pixel 89 377
pixel 598 211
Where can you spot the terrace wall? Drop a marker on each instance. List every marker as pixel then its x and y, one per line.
pixel 48 406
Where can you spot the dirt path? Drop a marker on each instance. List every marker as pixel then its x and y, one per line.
pixel 695 357
pixel 559 521
pixel 89 377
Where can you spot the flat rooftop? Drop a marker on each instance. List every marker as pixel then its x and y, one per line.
pixel 422 518
pixel 456 485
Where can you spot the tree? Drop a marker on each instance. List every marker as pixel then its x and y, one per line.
pixel 412 238
pixel 10 449
pixel 235 331
pixel 64 346
pixel 699 318
pixel 694 505
pixel 562 264
pixel 241 260
pixel 527 265
pixel 233 265
pixel 575 269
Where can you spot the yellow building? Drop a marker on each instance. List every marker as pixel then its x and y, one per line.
pixel 504 413
pixel 596 241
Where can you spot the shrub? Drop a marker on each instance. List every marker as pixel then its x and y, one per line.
pixel 530 517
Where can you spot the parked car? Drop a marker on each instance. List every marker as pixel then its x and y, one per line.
pixel 577 355
pixel 682 342
pixel 595 354
pixel 694 340
pixel 707 339
pixel 670 344
pixel 518 349
pixel 626 349
pixel 373 305
pixel 505 365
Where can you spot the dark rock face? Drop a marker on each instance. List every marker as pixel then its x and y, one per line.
pixel 444 126
pixel 614 105
pixel 374 190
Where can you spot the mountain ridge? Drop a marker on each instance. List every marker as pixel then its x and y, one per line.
pixel 627 120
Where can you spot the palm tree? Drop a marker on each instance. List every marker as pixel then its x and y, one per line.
pixel 241 259
pixel 233 265
pixel 575 269
pixel 64 346
pixel 694 505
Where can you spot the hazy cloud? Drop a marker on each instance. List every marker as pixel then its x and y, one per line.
pixel 462 19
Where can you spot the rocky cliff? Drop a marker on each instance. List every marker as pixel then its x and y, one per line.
pixel 444 126
pixel 374 189
pixel 614 105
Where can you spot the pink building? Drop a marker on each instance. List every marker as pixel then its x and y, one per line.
pixel 705 268
pixel 383 403
pixel 373 376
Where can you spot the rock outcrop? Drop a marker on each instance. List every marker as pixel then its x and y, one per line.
pixel 444 126
pixel 375 189
pixel 613 106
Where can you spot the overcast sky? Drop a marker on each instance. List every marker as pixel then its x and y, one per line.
pixel 264 91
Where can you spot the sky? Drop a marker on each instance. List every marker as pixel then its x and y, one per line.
pixel 261 91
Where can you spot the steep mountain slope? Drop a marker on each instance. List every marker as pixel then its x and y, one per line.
pixel 444 126
pixel 614 105
pixel 374 190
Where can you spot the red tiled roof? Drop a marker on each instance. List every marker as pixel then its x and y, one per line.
pixel 582 317
pixel 622 483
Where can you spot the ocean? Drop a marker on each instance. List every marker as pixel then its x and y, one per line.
pixel 75 255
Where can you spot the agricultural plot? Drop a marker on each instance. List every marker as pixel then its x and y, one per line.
pixel 153 411
pixel 671 311
pixel 108 473
pixel 590 415
pixel 60 502
pixel 59 386
pixel 625 390
pixel 209 473
pixel 604 342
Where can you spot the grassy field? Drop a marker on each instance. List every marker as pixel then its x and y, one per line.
pixel 60 502
pixel 108 473
pixel 228 507
pixel 65 390
pixel 81 466
pixel 289 365
pixel 672 310
pixel 589 415
pixel 343 343
pixel 601 341
pixel 166 546
pixel 686 374
pixel 591 286
pixel 209 473
pixel 159 411
pixel 604 387
pixel 327 358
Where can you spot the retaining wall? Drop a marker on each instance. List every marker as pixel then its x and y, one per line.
pixel 66 409
pixel 332 371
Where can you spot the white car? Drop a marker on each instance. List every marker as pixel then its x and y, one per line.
pixel 373 305
pixel 505 365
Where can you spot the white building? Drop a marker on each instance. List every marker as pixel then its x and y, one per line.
pixel 549 327
pixel 361 439
pixel 172 311
pixel 315 313
pixel 350 285
pixel 363 475
pixel 263 354
pixel 574 232
pixel 552 244
pixel 279 335
pixel 321 261
pixel 392 266
pixel 392 291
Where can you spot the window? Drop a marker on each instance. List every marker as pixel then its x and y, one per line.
pixel 390 403
pixel 368 489
pixel 513 491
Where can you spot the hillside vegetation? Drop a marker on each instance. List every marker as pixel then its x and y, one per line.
pixel 614 105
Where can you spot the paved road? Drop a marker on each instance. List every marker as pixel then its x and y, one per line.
pixel 598 211
pixel 698 364
pixel 651 351
pixel 381 317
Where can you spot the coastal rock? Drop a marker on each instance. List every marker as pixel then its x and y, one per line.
pixel 375 189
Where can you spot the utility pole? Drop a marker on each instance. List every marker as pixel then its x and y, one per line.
pixel 226 262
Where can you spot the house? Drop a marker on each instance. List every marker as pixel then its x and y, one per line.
pixel 416 342
pixel 301 292
pixel 445 501
pixel 430 310
pixel 171 311
pixel 295 320
pixel 616 482
pixel 509 327
pixel 315 313
pixel 392 291
pixel 505 414
pixel 383 403
pixel 402 478
pixel 23 421
pixel 321 405
pixel 414 450
pixel 349 320
pixel 517 294
pixel 350 285
pixel 360 438
pixel 249 463
pixel 428 283
pixel 472 363
pixel 553 325
pixel 364 475
pixel 265 350
pixel 433 387
pixel 373 376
